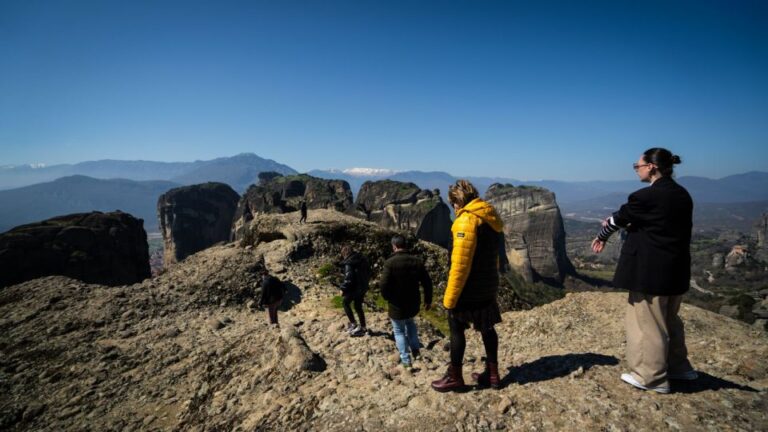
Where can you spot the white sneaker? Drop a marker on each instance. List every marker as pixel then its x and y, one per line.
pixel 684 376
pixel 629 379
pixel 351 327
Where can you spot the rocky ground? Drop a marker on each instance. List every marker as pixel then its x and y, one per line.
pixel 187 351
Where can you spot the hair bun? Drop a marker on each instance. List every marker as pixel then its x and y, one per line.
pixel 676 159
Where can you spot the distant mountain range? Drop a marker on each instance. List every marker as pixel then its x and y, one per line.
pixel 238 171
pixel 734 200
pixel 76 194
pixel 748 187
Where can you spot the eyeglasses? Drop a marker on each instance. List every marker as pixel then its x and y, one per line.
pixel 637 167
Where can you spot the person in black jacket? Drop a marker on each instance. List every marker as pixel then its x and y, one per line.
pixel 272 293
pixel 353 288
pixel 303 210
pixel 400 278
pixel 655 266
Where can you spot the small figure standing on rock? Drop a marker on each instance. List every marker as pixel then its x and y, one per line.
pixel 357 272
pixel 400 279
pixel 272 293
pixel 303 209
pixel 473 284
pixel 655 266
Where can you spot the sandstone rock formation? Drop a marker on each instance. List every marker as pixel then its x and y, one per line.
pixel 282 242
pixel 284 194
pixel 739 256
pixel 195 217
pixel 534 233
pixel 403 206
pixel 761 233
pixel 106 248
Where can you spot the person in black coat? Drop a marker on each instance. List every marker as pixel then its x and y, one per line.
pixel 401 276
pixel 272 293
pixel 353 288
pixel 303 210
pixel 655 266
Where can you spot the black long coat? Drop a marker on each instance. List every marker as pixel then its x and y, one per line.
pixel 656 256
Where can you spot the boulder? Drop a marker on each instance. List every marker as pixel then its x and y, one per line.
pixel 105 248
pixel 298 355
pixel 404 206
pixel 533 229
pixel 193 218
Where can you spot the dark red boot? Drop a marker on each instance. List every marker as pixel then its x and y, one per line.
pixel 452 381
pixel 489 377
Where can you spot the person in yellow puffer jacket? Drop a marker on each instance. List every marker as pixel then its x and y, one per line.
pixel 473 283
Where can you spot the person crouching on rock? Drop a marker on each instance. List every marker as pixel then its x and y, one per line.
pixel 356 275
pixel 473 284
pixel 655 266
pixel 400 279
pixel 272 293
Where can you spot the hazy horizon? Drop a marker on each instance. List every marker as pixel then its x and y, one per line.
pixel 359 171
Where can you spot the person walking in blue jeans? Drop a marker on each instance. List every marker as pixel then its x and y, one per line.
pixel 400 279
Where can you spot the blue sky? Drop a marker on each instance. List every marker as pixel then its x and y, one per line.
pixel 528 90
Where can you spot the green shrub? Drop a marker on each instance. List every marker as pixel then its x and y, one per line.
pixel 337 302
pixel 326 270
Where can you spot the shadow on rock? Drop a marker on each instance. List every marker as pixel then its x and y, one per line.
pixel 292 296
pixel 557 366
pixel 381 333
pixel 707 382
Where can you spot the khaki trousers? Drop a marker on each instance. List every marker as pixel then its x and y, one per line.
pixel 655 338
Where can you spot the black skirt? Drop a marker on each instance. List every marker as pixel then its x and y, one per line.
pixel 481 317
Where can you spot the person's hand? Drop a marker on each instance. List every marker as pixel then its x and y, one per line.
pixel 597 245
pixel 604 223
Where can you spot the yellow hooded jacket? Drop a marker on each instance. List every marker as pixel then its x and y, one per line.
pixel 464 231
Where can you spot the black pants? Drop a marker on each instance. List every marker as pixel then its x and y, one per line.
pixel 459 342
pixel 272 311
pixel 358 301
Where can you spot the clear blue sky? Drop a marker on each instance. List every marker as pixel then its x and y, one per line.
pixel 559 90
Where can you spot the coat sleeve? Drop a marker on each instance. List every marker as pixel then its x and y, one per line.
pixel 348 284
pixel 633 212
pixel 264 292
pixel 464 232
pixel 503 260
pixel 426 283
pixel 385 281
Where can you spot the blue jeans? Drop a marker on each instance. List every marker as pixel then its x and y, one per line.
pixel 406 335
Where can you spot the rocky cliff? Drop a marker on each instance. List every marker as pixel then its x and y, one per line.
pixel 186 351
pixel 106 248
pixel 284 194
pixel 404 206
pixel 761 233
pixel 533 228
pixel 195 217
